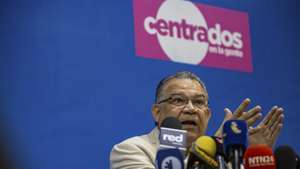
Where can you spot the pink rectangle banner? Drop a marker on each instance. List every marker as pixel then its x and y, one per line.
pixel 192 33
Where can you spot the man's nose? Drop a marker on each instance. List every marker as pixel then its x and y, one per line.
pixel 189 108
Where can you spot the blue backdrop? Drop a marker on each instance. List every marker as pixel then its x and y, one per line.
pixel 71 85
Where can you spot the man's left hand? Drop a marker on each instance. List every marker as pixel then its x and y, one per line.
pixel 268 130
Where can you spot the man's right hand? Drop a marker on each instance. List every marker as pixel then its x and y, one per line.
pixel 251 116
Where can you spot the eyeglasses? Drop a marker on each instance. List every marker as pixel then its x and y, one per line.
pixel 180 100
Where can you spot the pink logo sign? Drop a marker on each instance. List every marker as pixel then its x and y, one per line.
pixel 185 32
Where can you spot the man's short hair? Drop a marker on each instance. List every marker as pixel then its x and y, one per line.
pixel 178 75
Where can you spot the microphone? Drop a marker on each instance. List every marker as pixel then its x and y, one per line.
pixel 169 158
pixel 235 141
pixel 172 140
pixel 202 153
pixel 286 158
pixel 220 154
pixel 297 161
pixel 171 134
pixel 259 157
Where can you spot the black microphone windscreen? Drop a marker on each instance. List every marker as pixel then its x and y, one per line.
pixel 285 157
pixel 297 161
pixel 171 122
pixel 219 144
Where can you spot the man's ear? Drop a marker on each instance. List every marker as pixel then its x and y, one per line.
pixel 155 112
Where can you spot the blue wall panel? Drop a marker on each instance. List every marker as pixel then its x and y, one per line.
pixel 71 86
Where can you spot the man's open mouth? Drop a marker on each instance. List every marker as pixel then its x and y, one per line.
pixel 188 122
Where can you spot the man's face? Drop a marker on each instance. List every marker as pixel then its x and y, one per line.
pixel 193 114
